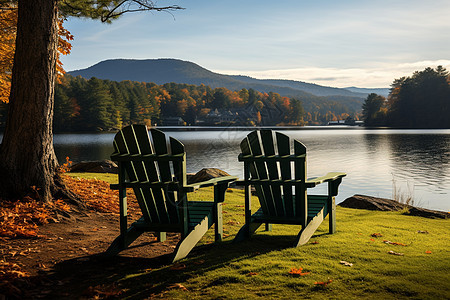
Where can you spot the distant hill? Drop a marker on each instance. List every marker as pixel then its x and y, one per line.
pixel 162 71
pixel 380 91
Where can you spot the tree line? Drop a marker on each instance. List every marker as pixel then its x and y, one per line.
pixel 95 104
pixel 418 101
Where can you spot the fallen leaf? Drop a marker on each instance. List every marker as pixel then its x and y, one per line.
pixel 178 267
pixel 372 240
pixel 396 253
pixel 298 272
pixel 394 243
pixel 424 231
pixel 178 286
pixel 251 274
pixel 428 252
pixel 199 262
pixel 377 235
pixel 315 242
pixel 323 283
pixel 346 263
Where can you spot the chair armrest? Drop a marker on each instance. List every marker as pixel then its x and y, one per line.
pixel 332 176
pixel 145 184
pixel 276 182
pixel 214 181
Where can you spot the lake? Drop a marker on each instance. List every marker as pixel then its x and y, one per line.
pixel 378 162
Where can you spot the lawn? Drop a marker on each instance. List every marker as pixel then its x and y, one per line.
pixel 418 268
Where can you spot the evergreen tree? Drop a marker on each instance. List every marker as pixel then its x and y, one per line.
pixel 373 110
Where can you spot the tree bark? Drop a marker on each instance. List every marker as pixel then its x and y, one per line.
pixel 27 157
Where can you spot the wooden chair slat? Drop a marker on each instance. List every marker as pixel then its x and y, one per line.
pixel 284 148
pixel 156 201
pixel 245 149
pixel 300 174
pixel 272 168
pixel 160 148
pixel 256 150
pixel 127 144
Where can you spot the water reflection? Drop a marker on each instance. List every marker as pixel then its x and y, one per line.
pixel 373 159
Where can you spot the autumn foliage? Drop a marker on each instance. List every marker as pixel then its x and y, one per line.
pixel 20 219
pixel 8 31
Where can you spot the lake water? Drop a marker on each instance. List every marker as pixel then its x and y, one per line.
pixel 413 162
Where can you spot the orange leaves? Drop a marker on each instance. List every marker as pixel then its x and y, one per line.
pixel 9 271
pixel 95 193
pixel 20 219
pixel 65 167
pixel 298 272
pixel 8 29
pixel 376 235
pixel 394 243
pixel 323 283
pixel 428 252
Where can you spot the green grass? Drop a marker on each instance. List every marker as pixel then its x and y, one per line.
pixel 220 271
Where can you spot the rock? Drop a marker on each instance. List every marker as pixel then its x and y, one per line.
pixel 428 213
pixel 382 204
pixel 103 166
pixel 206 174
pixel 372 203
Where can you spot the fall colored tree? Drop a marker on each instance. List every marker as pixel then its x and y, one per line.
pixel 8 30
pixel 27 157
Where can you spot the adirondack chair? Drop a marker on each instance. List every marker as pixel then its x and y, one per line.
pixel 279 179
pixel 157 176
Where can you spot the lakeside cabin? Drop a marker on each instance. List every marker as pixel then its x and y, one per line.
pixel 347 122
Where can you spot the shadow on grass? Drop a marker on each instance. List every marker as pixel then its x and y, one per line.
pixel 96 276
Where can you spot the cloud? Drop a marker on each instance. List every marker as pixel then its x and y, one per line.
pixel 370 77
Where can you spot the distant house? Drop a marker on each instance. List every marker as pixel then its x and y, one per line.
pixel 173 121
pixel 349 122
pixel 219 117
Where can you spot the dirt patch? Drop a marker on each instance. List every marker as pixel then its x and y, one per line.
pixel 80 240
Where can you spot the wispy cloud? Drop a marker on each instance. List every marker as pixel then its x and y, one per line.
pixel 372 77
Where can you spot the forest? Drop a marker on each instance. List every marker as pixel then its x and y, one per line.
pixel 103 105
pixel 418 101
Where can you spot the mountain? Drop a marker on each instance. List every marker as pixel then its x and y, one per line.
pixel 380 91
pixel 162 71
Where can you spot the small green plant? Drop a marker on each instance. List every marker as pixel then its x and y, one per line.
pixel 403 195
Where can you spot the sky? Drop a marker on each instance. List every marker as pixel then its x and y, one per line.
pixel 333 43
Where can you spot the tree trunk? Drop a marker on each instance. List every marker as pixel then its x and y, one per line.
pixel 27 157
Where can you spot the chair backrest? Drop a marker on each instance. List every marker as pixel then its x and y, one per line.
pixel 163 162
pixel 277 173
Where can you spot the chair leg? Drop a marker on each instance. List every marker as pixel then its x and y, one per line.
pixel 218 221
pixel 161 236
pixel 332 214
pixel 123 241
pixel 185 245
pixel 246 231
pixel 307 232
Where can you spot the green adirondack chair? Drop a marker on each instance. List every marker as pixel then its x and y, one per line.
pixel 279 179
pixel 157 176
